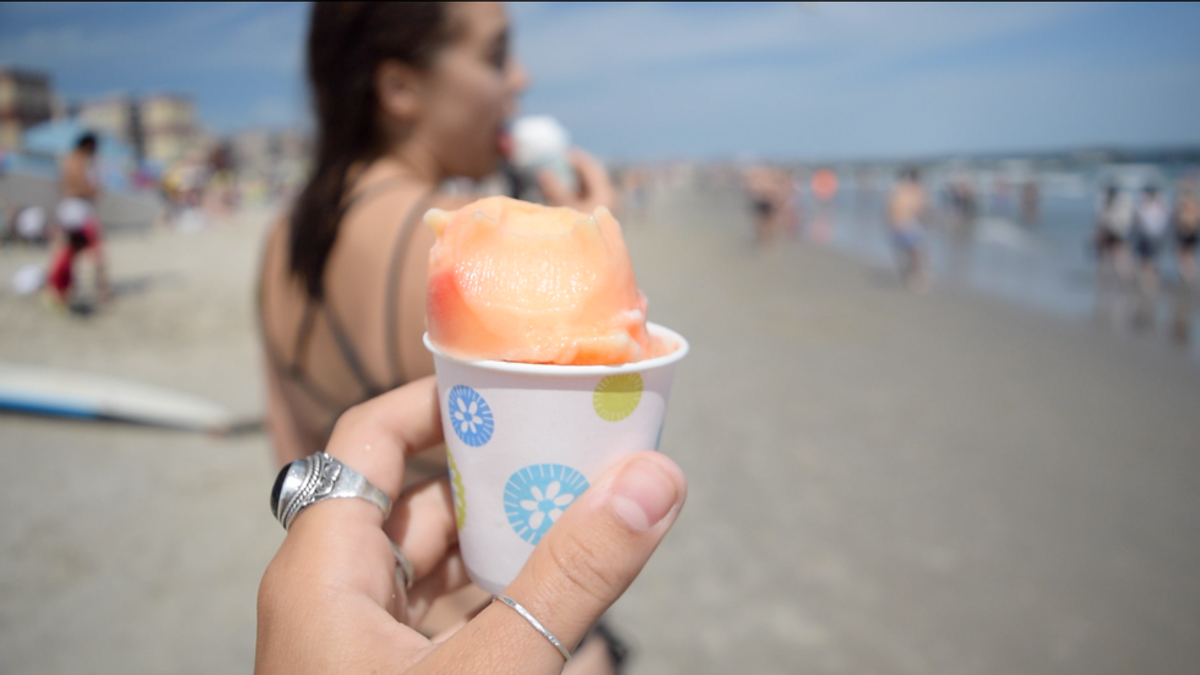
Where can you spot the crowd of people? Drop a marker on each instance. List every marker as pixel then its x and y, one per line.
pixel 1132 234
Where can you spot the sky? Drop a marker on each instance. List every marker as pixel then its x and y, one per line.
pixel 707 80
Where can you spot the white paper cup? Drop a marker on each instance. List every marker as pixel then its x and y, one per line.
pixel 525 440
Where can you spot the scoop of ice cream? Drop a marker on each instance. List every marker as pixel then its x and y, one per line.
pixel 514 281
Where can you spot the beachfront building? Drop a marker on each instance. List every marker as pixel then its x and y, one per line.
pixel 26 100
pixel 160 127
pixel 115 115
pixel 269 163
pixel 169 126
pixel 254 151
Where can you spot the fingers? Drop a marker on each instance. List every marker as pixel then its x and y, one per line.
pixel 423 525
pixel 336 549
pixel 554 191
pixel 580 567
pixel 449 576
pixel 595 187
pixel 373 438
pixel 341 539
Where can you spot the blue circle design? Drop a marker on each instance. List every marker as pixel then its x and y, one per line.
pixel 537 495
pixel 470 416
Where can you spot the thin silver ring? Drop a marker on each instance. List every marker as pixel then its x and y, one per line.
pixel 536 624
pixel 405 575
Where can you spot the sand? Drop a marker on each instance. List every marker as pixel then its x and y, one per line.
pixel 880 482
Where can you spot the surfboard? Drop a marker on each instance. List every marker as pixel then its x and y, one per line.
pixel 83 395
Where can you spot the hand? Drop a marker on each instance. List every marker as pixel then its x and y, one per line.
pixel 595 188
pixel 328 601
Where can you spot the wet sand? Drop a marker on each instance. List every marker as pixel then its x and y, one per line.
pixel 880 482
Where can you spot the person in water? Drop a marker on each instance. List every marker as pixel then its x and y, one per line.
pixel 908 208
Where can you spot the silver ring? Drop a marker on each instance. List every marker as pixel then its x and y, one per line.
pixel 536 624
pixel 405 576
pixel 316 478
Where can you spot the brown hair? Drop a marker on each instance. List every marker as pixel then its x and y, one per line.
pixel 347 41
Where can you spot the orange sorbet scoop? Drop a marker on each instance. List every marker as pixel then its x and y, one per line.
pixel 515 281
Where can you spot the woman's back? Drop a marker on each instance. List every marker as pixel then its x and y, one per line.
pixel 363 336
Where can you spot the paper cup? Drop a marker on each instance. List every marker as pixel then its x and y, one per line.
pixel 525 440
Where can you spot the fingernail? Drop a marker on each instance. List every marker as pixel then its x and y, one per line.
pixel 643 494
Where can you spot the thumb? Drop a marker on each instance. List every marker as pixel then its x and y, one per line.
pixel 599 545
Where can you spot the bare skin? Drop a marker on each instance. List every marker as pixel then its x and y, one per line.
pixel 773 187
pixel 1186 221
pixel 76 180
pixel 907 208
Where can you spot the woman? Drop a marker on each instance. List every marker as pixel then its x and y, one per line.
pixel 1150 222
pixel 406 96
pixel 1114 220
pixel 1186 224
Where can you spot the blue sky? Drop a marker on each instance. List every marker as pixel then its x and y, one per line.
pixel 784 80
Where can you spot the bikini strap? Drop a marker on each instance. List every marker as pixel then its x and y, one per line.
pixel 341 337
pixel 349 353
pixel 391 306
pixel 292 371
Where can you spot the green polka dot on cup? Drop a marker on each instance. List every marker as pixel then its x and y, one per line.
pixel 459 492
pixel 617 396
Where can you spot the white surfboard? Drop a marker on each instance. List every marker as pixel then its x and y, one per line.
pixel 69 393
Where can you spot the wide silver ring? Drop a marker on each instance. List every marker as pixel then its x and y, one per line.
pixel 316 478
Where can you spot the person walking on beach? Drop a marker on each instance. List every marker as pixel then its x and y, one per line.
pixel 76 214
pixel 1185 222
pixel 1031 202
pixel 1151 219
pixel 907 209
pixel 769 191
pixel 1114 219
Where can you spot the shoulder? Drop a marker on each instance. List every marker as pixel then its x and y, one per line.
pixel 273 257
pixel 396 209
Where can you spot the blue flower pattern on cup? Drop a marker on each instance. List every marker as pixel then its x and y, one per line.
pixel 536 496
pixel 470 416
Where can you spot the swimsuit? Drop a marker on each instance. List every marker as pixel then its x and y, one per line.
pixel 1187 240
pixel 79 223
pixel 763 207
pixel 909 236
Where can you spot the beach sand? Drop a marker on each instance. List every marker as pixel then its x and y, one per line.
pixel 879 482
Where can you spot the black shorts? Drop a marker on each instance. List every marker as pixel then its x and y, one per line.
pixel 1147 247
pixel 763 207
pixel 78 240
pixel 1187 240
pixel 1107 240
